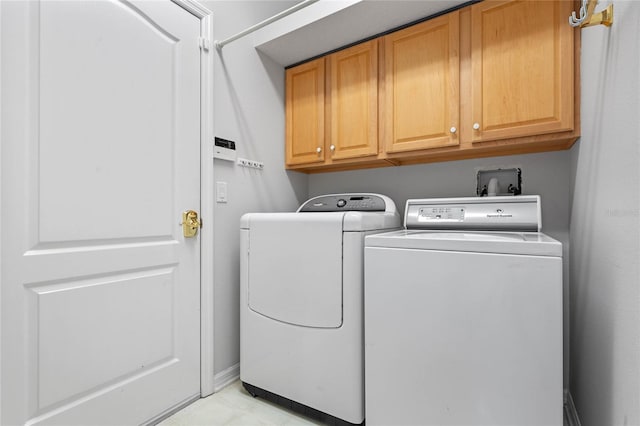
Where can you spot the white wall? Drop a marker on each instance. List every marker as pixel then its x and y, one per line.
pixel 605 226
pixel 249 109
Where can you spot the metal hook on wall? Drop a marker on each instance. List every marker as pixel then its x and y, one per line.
pixel 575 21
pixel 588 18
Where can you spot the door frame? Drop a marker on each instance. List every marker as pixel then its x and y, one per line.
pixel 206 194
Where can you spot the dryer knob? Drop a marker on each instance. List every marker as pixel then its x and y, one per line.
pixel 341 202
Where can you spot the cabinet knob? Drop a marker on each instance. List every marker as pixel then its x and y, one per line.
pixel 318 150
pixel 332 148
pixel 476 126
pixel 453 130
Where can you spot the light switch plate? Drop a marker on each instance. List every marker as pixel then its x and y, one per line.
pixel 221 192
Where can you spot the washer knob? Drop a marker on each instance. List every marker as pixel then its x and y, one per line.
pixel 341 202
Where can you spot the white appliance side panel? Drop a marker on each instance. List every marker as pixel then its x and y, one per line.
pixel 318 367
pixel 295 268
pixel 456 338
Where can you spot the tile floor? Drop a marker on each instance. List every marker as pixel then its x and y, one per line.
pixel 233 406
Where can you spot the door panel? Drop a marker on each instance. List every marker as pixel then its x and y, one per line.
pixel 79 352
pixel 100 156
pixel 124 105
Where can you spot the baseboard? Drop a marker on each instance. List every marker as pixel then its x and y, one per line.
pixel 226 377
pixel 570 412
pixel 171 411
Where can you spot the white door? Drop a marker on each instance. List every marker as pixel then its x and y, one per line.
pixel 100 156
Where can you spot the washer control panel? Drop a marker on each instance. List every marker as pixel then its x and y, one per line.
pixel 344 202
pixel 480 213
pixel 441 214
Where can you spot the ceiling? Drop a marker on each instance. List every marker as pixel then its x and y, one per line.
pixel 330 24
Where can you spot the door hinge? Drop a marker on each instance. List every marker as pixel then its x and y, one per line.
pixel 204 43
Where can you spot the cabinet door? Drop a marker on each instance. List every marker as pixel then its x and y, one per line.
pixel 522 69
pixel 421 90
pixel 354 101
pixel 305 113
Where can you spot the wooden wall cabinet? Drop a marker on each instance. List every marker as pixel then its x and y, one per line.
pixel 521 69
pixel 499 77
pixel 421 86
pixel 304 110
pixel 353 101
pixel 332 112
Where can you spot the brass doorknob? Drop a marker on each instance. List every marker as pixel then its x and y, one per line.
pixel 190 223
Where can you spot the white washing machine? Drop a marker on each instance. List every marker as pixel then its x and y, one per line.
pixel 463 316
pixel 301 295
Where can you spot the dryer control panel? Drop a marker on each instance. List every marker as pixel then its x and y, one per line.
pixel 345 202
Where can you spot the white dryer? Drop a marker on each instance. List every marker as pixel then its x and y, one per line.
pixel 301 295
pixel 463 316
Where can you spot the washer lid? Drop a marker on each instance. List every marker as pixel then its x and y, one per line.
pixel 524 243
